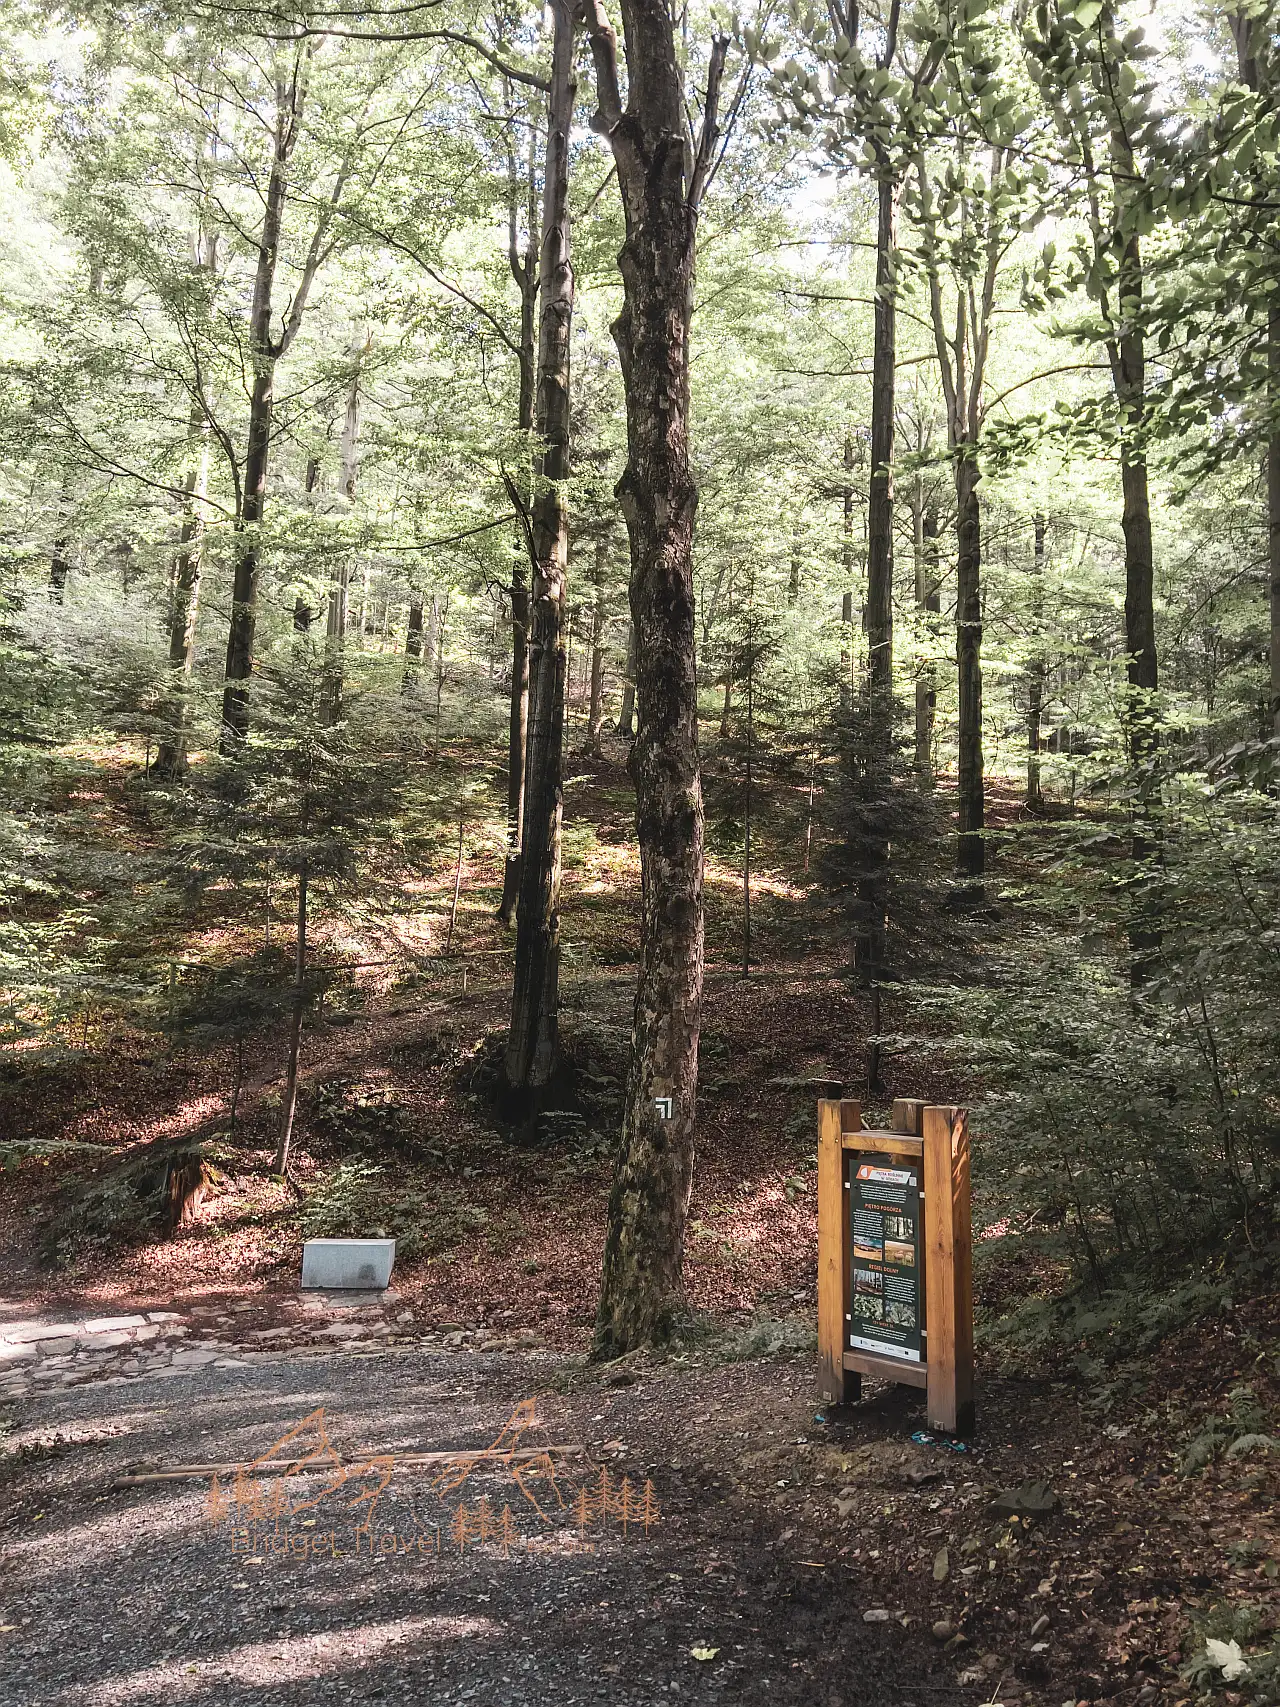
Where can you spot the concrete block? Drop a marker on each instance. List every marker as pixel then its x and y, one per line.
pixel 348 1264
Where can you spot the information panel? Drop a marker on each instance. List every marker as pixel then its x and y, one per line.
pixel 884 1193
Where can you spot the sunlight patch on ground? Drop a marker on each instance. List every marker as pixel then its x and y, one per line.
pixel 718 875
pixel 286 1658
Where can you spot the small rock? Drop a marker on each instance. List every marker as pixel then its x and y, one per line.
pixel 1039 1647
pixel 876 1615
pixel 941 1565
pixel 620 1378
pixel 1041 1625
pixel 163 1316
pixel 943 1630
pixel 971 1674
pixel 57 1348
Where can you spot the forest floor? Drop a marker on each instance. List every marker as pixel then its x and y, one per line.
pixel 815 1555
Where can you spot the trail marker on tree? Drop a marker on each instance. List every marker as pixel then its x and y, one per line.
pixel 895 1267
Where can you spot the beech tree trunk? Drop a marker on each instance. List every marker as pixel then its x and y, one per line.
pixel 970 847
pixel 1036 670
pixel 413 648
pixel 1249 38
pixel 289 1103
pixel 171 754
pixel 265 351
pixel 929 601
pixel 335 639
pixel 879 607
pixel 524 270
pixel 533 1039
pixel 595 705
pixel 642 1281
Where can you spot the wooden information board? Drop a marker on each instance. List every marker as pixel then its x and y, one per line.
pixel 895 1278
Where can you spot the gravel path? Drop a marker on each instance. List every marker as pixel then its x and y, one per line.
pixel 139 1594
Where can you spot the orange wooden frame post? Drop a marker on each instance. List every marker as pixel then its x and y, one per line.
pixel 837 1384
pixel 948 1270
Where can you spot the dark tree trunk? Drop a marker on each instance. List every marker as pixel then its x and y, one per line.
pixel 333 680
pixel 642 1280
pixel 1036 670
pixel 1249 37
pixel 59 570
pixel 627 710
pixel 413 648
pixel 846 564
pixel 595 705
pixel 1140 711
pixel 533 1040
pixel 879 606
pixel 524 270
pixel 302 616
pixel 929 602
pixel 1273 511
pixel 290 1101
pixel 970 847
pixel 171 755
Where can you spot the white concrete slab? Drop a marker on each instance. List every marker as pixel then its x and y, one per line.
pixel 348 1265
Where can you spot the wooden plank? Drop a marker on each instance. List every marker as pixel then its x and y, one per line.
pixel 948 1271
pixel 907 1115
pixel 834 1384
pixel 850 1115
pixel 887 1368
pixel 888 1143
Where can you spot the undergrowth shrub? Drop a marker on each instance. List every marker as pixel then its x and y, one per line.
pixel 1131 1135
pixel 358 1200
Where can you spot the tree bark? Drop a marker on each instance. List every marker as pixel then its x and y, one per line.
pixel 533 1038
pixel 413 648
pixel 879 606
pixel 642 1279
pixel 335 639
pixel 595 705
pixel 290 1101
pixel 970 847
pixel 929 602
pixel 1036 670
pixel 1246 30
pixel 171 755
pixel 524 270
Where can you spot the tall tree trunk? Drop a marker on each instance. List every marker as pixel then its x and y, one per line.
pixel 1273 508
pixel 335 639
pixel 1036 670
pixel 533 1039
pixel 642 1279
pixel 879 607
pixel 263 354
pixel 595 705
pixel 627 710
pixel 846 565
pixel 413 648
pixel 524 270
pixel 289 1103
pixel 1247 31
pixel 970 847
pixel 929 603
pixel 171 755
pixel 872 854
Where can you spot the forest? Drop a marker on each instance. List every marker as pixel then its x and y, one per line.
pixel 573 581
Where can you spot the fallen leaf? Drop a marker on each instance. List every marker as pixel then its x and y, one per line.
pixel 941 1565
pixel 1228 1658
pixel 704 1653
